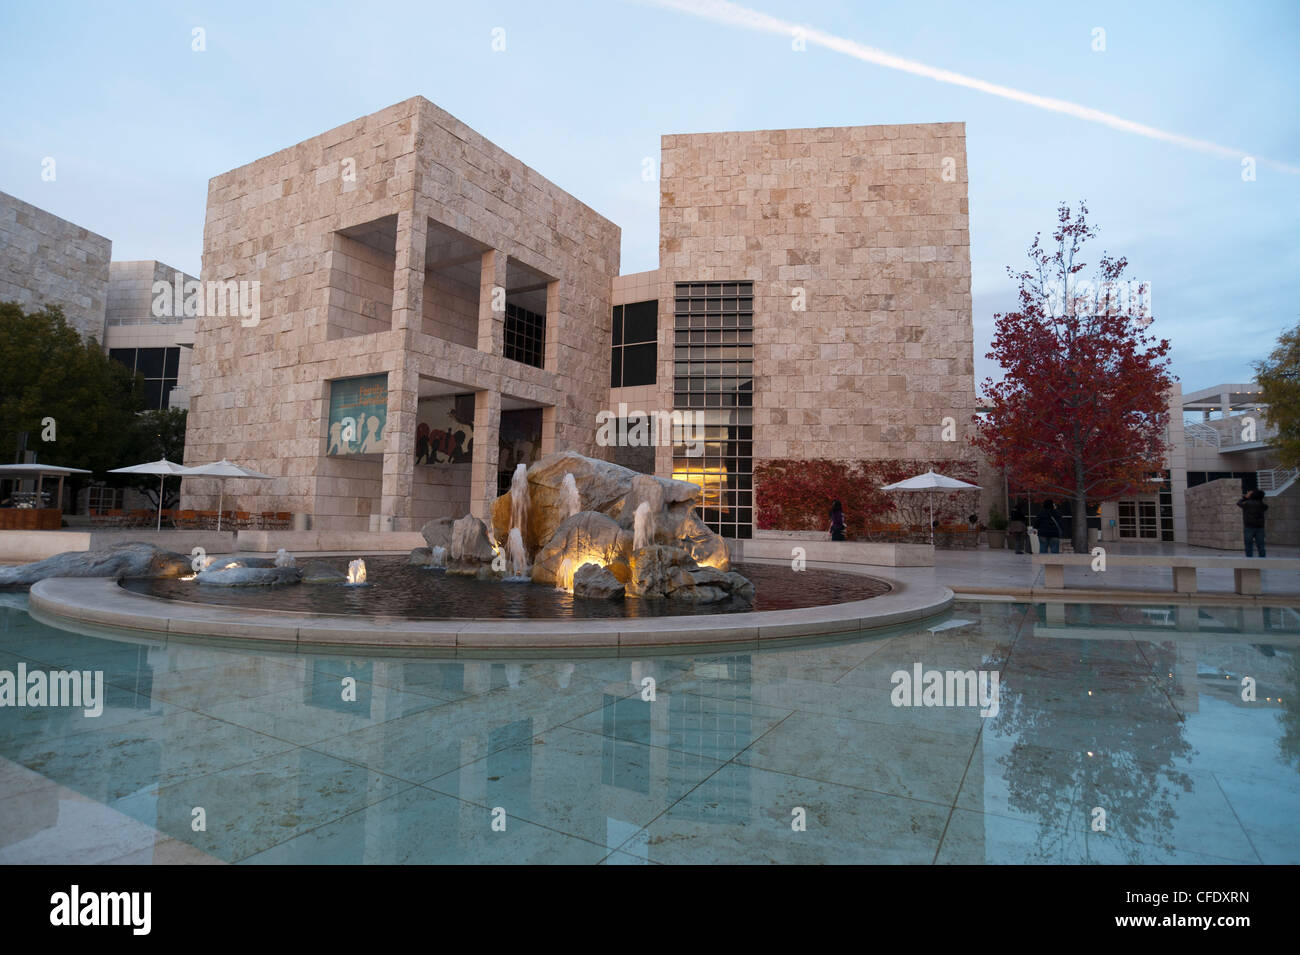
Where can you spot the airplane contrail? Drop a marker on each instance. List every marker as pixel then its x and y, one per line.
pixel 733 14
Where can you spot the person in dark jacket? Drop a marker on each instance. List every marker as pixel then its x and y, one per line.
pixel 1252 518
pixel 1049 529
pixel 837 522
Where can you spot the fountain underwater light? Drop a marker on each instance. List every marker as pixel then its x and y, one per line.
pixel 564 575
pixel 356 572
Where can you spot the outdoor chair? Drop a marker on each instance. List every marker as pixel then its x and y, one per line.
pixel 283 520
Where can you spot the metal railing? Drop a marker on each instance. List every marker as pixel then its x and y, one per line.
pixel 1274 481
pixel 1201 435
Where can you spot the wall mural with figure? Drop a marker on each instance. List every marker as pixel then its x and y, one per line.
pixel 444 430
pixel 358 414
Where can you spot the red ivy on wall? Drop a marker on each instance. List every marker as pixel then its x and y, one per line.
pixel 797 495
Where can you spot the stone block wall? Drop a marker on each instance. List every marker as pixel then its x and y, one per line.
pixel 315 225
pixel 361 283
pixel 1214 520
pixel 46 260
pixel 871 223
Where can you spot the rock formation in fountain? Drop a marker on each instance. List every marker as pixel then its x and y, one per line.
pixel 584 537
pixel 437 532
pixel 127 559
pixel 626 514
pixel 660 572
pixel 597 583
pixel 616 492
pixel 471 550
pixel 234 575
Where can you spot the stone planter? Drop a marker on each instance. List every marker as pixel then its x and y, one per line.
pixel 997 539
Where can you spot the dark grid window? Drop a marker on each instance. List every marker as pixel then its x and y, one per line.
pixel 636 348
pixel 713 373
pixel 158 366
pixel 525 336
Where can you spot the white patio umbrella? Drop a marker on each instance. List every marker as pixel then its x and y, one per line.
pixel 930 481
pixel 221 471
pixel 162 468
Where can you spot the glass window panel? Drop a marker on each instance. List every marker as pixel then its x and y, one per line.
pixel 639 364
pixel 641 322
pixel 150 362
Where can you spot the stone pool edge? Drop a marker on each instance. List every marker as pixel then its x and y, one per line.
pixel 103 603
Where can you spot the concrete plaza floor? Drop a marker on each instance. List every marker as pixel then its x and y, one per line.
pixel 984 571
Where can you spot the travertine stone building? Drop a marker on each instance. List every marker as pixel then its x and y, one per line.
pixel 832 266
pixel 45 260
pixel 427 298
pixel 158 346
pixel 402 259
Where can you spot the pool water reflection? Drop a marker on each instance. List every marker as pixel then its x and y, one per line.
pixel 352 759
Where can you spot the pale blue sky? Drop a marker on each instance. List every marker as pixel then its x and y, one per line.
pixel 138 122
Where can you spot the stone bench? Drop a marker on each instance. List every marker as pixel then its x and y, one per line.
pixel 1247 572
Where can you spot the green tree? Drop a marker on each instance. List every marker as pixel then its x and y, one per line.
pixel 155 435
pixel 76 405
pixel 1279 377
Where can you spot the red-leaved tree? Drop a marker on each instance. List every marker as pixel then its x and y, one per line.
pixel 1082 409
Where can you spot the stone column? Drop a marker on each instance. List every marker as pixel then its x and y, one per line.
pixel 548 430
pixel 492 321
pixel 403 381
pixel 483 466
pixel 399 449
pixel 551 345
pixel 408 271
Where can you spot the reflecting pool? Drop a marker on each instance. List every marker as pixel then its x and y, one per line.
pixel 205 754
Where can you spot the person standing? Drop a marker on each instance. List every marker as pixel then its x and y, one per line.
pixel 1252 518
pixel 1016 527
pixel 1049 529
pixel 837 522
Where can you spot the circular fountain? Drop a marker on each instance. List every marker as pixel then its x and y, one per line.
pixel 605 557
